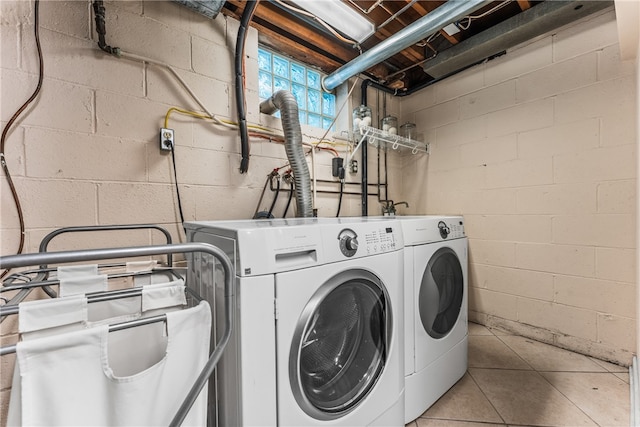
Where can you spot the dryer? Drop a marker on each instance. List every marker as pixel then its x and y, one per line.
pixel 436 301
pixel 318 333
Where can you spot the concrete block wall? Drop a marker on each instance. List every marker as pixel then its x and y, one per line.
pixel 537 149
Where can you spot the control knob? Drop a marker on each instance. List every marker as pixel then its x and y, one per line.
pixel 348 242
pixel 444 229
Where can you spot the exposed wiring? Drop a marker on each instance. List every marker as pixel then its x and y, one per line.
pixel 275 197
pixel 395 15
pixel 470 18
pixel 3 139
pixel 289 180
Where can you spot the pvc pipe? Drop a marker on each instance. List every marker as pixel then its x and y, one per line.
pixel 449 12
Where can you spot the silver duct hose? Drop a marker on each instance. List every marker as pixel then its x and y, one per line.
pixel 286 103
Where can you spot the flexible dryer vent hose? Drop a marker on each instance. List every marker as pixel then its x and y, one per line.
pixel 286 103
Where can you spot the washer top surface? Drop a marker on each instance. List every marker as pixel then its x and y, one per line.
pixel 272 246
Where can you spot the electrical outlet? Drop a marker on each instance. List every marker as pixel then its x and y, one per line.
pixel 353 166
pixel 167 141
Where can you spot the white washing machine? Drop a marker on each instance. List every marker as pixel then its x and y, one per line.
pixel 436 316
pixel 318 333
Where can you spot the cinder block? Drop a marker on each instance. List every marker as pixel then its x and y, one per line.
pixel 616 264
pixel 16 12
pixel 73 18
pixel 125 203
pixel 443 158
pixel 611 66
pixel 460 84
pixel 11 52
pixel 438 115
pixel 57 203
pixel 511 281
pixel 202 167
pixel 500 201
pixel 519 118
pixel 617 197
pixel 462 131
pixel 608 230
pixel 214 60
pixel 605 297
pixel 559 139
pixel 164 88
pixel 10 233
pixel 135 33
pixel 59 106
pixel 518 228
pixel 493 303
pixel 83 156
pixel 92 239
pixel 492 252
pixel 490 99
pixel 617 331
pixel 519 173
pixel 420 100
pixel 120 116
pixel 489 151
pixel 251 42
pixel 595 32
pixel 552 258
pixel 519 60
pixel 557 78
pixel 557 317
pixel 206 135
pixel 601 164
pixel 7 362
pixel 618 128
pixel 69 59
pixel 560 199
pixel 600 99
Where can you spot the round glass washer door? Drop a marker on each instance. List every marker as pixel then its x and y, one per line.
pixel 441 292
pixel 340 344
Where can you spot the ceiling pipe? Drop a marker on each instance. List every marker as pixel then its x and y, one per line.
pixel 451 11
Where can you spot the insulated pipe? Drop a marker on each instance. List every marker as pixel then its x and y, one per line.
pixel 286 103
pixel 451 11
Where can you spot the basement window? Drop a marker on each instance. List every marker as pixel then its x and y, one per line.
pixel 316 107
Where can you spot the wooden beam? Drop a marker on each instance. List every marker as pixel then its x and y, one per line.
pixel 524 4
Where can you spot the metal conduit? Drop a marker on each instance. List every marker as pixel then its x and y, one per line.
pixel 451 11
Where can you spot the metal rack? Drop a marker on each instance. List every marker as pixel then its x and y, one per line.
pixel 379 137
pixel 24 260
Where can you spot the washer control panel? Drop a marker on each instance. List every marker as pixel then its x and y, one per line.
pixel 451 229
pixel 373 240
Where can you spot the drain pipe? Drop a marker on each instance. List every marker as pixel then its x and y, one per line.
pixel 451 11
pixel 286 103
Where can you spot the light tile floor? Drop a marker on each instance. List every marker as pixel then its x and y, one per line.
pixel 516 381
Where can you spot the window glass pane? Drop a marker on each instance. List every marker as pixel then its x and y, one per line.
pixel 313 97
pixel 280 66
pixel 328 104
pixel 297 73
pixel 313 79
pixel 326 122
pixel 315 120
pixel 264 85
pixel 280 84
pixel 264 60
pixel 300 94
pixel 302 115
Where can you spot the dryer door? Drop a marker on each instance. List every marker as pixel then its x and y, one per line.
pixel 441 293
pixel 339 346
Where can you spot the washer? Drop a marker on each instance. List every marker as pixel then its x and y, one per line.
pixel 318 333
pixel 436 316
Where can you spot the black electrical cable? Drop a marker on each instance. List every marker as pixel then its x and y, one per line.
pixel 241 106
pixel 3 139
pixel 175 176
pixel 101 28
pixel 340 197
pixel 286 209
pixel 275 197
